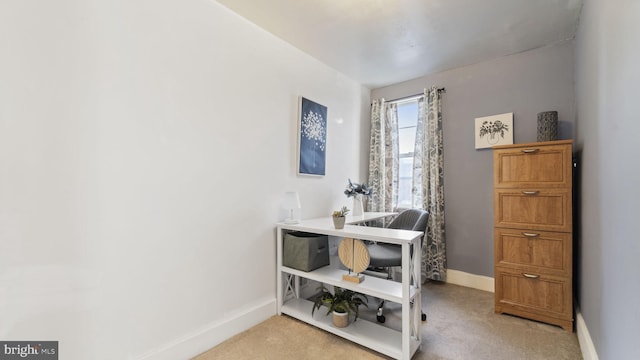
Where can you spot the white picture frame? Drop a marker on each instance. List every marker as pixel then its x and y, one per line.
pixel 494 130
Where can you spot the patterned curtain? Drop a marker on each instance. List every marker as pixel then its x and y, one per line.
pixel 428 183
pixel 383 157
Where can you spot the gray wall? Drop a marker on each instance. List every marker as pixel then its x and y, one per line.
pixel 607 129
pixel 525 84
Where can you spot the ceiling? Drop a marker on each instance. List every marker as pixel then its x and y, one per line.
pixel 383 42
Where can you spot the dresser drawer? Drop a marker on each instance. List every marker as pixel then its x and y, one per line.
pixel 544 251
pixel 533 295
pixel 533 208
pixel 546 164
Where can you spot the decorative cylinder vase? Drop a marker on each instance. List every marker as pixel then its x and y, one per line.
pixel 358 207
pixel 548 126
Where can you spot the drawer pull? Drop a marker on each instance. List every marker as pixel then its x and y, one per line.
pixel 530 234
pixel 530 151
pixel 530 276
pixel 530 192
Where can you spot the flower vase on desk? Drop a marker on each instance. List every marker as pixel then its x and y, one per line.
pixel 357 191
pixel 358 207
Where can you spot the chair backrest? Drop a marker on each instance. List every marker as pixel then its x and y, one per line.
pixel 411 219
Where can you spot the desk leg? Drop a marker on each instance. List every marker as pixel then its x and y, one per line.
pixel 279 289
pixel 406 304
pixel 417 282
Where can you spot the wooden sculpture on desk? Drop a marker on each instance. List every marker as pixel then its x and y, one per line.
pixel 354 255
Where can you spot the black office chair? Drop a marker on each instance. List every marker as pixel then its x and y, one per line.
pixel 389 255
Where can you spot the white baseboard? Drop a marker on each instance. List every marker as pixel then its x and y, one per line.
pixel 584 339
pixel 199 341
pixel 462 278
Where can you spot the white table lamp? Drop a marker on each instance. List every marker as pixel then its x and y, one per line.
pixel 291 203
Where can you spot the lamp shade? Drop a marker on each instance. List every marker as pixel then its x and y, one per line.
pixel 291 200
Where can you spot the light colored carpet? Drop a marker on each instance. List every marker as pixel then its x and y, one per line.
pixel 461 324
pixel 282 337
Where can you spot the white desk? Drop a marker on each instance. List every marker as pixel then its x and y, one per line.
pixel 368 216
pixel 397 344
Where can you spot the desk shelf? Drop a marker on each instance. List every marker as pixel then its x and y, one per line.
pixel 373 286
pixel 374 336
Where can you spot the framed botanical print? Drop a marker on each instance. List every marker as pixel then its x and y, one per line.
pixel 494 130
pixel 312 137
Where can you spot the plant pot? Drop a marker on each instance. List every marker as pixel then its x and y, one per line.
pixel 338 222
pixel 340 319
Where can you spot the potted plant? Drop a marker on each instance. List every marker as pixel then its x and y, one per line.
pixel 357 191
pixel 342 303
pixel 338 217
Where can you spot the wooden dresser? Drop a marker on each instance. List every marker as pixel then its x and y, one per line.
pixel 533 231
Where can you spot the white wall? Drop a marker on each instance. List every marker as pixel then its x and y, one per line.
pixel 144 150
pixel 607 78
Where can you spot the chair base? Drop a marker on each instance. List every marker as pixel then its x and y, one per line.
pixel 381 318
pixel 378 272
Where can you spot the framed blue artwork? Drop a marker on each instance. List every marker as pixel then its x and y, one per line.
pixel 312 138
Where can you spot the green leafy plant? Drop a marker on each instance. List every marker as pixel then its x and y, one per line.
pixel 341 301
pixel 341 213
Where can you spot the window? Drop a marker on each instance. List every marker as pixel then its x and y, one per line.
pixel 407 124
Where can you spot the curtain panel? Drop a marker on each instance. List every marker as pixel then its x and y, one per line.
pixel 383 157
pixel 428 183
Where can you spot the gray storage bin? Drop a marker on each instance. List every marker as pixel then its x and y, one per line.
pixel 305 251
